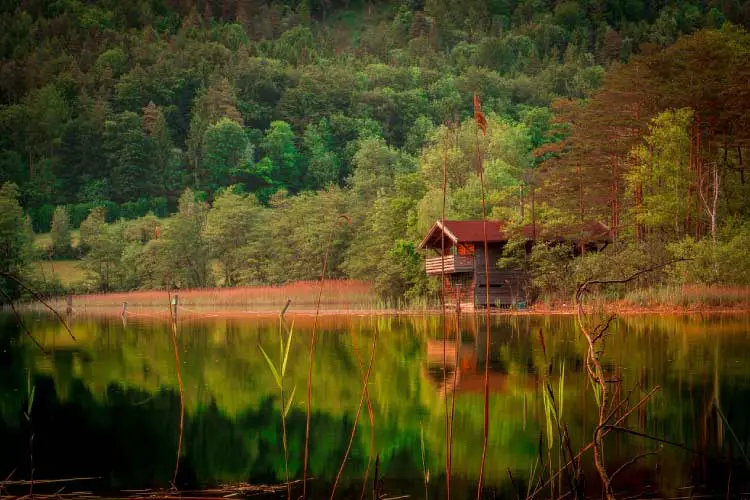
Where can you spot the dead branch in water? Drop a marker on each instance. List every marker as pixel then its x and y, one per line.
pixel 600 381
pixel 19 319
pixel 39 299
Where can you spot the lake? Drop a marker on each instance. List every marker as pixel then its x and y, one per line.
pixel 108 405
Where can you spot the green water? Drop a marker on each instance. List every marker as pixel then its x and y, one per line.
pixel 107 405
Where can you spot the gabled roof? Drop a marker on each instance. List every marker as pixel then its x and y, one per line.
pixel 465 231
pixel 472 231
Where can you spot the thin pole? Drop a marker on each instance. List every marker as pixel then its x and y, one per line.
pixel 448 423
pixel 487 318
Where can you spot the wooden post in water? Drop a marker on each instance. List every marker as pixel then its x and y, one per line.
pixel 175 302
pixel 288 303
pixel 69 306
pixel 124 315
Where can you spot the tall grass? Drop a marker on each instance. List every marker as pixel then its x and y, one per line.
pixel 689 297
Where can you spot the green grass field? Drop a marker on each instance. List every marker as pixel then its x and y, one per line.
pixel 68 272
pixel 42 241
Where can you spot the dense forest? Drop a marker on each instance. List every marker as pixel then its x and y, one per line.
pixel 220 142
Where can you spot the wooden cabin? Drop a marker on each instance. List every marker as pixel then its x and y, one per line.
pixel 462 263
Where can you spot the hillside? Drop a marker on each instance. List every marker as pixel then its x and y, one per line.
pixel 242 129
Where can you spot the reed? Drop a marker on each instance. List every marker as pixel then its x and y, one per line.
pixel 279 374
pixel 425 472
pixel 478 114
pixel 30 392
pixel 370 414
pixel 173 325
pixel 689 297
pixel 359 410
pixel 339 294
pixel 312 350
pixel 448 422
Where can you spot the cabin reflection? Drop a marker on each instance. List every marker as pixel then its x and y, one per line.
pixel 466 364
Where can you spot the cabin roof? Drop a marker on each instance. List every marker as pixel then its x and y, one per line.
pixel 464 231
pixel 472 231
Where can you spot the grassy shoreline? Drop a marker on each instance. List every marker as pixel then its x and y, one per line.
pixel 346 297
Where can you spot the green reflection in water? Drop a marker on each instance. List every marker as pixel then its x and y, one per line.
pixel 112 397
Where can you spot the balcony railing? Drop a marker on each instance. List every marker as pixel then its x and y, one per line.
pixel 449 264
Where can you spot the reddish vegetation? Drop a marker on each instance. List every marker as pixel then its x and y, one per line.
pixel 302 293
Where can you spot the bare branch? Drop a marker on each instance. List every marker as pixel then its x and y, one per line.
pixel 39 298
pixel 20 321
pixel 631 462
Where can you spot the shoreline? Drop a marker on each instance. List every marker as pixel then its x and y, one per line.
pixel 197 312
pixel 356 298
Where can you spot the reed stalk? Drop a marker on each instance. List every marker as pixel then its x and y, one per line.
pixel 279 374
pixel 487 317
pixel 173 324
pixel 30 392
pixel 312 350
pixel 448 423
pixel 371 415
pixel 359 411
pixel 425 472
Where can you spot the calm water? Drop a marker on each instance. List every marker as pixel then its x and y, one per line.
pixel 108 405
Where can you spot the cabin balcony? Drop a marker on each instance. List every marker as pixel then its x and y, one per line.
pixel 449 264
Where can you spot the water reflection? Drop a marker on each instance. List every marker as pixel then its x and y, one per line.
pixel 108 405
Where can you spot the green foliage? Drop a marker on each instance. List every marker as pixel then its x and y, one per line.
pixel 233 232
pixel 225 152
pixel 15 240
pixel 662 174
pixel 60 233
pixel 183 249
pixel 723 262
pixel 285 162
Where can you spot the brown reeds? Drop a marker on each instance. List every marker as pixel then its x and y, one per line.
pixel 312 349
pixel 336 293
pixel 173 324
pixel 365 381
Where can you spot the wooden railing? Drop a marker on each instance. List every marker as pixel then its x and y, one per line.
pixel 452 264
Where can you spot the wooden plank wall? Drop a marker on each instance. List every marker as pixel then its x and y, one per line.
pixel 506 285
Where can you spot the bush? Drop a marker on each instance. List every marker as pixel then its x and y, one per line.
pixel 725 261
pixel 159 206
pixel 134 209
pixel 60 233
pixel 78 213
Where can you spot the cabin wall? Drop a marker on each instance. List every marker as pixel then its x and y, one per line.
pixel 507 286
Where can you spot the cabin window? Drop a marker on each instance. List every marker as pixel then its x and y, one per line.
pixel 462 280
pixel 466 249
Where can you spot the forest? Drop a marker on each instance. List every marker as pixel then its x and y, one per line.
pixel 232 142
